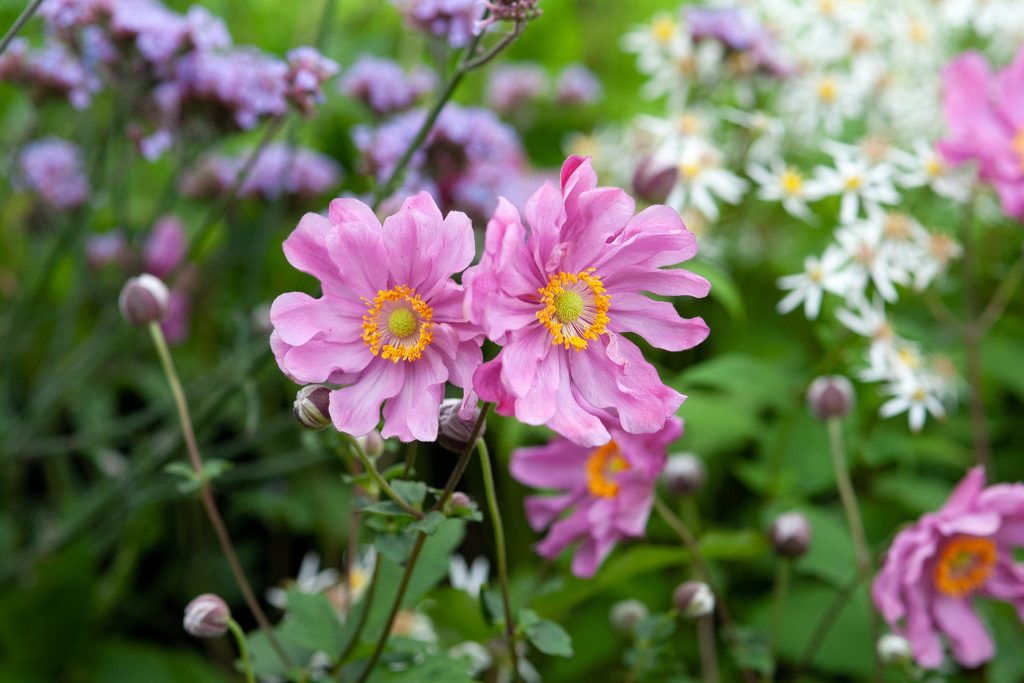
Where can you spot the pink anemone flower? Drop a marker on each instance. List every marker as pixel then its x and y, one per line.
pixel 558 296
pixel 608 491
pixel 985 118
pixel 936 568
pixel 389 327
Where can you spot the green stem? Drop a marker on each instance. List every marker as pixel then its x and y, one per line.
pixel 974 334
pixel 206 495
pixel 825 624
pixel 1001 299
pixel 25 15
pixel 410 458
pixel 848 497
pixel 500 552
pixel 706 646
pixel 243 650
pixel 378 478
pixel 782 574
pixel 410 565
pixel 364 613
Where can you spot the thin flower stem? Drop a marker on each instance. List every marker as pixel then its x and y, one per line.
pixel 828 620
pixel 1001 299
pixel 25 15
pixel 848 496
pixel 782 571
pixel 378 478
pixel 690 541
pixel 364 613
pixel 410 458
pixel 467 63
pixel 974 333
pixel 206 495
pixel 243 650
pixel 499 547
pixel 706 646
pixel 410 565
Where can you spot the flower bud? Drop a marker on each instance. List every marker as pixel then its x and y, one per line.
pixel 144 299
pixel 790 534
pixel 694 599
pixel 372 444
pixel 626 614
pixel 207 616
pixel 454 432
pixel 459 503
pixel 652 182
pixel 311 407
pixel 830 397
pixel 894 649
pixel 684 474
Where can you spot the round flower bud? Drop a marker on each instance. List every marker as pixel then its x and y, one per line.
pixel 652 182
pixel 311 407
pixel 894 649
pixel 694 599
pixel 207 616
pixel 830 397
pixel 372 444
pixel 454 432
pixel 626 614
pixel 790 534
pixel 459 503
pixel 144 299
pixel 684 474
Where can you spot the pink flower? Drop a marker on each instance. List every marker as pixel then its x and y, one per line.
pixel 558 297
pixel 985 117
pixel 165 246
pixel 935 568
pixel 609 490
pixel 390 325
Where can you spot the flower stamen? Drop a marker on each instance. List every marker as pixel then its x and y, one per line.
pixel 964 565
pixel 602 464
pixel 575 308
pixel 397 325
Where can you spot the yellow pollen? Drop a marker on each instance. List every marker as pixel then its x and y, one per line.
pixel 689 171
pixel 828 90
pixel 407 328
pixel 910 359
pixel 827 7
pixel 965 565
pixel 663 28
pixel 917 32
pixel 933 167
pixel 1018 146
pixel 575 308
pixel 689 124
pixel 919 395
pixel 897 226
pixel 792 182
pixel 816 274
pixel 852 183
pixel 941 247
pixel 603 462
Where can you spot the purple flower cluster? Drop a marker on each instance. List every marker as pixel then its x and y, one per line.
pixel 514 86
pixel 743 34
pixel 49 70
pixel 308 70
pixel 279 170
pixel 384 86
pixel 468 160
pixel 577 86
pixel 52 169
pixel 452 20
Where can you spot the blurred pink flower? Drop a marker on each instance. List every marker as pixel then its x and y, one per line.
pixel 559 297
pixel 308 70
pixel 53 169
pixel 165 246
pixel 390 324
pixel 384 86
pixel 985 118
pixel 936 567
pixel 609 491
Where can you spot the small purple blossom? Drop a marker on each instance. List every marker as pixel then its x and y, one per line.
pixel 576 86
pixel 50 70
pixel 508 10
pixel 452 20
pixel 165 247
pixel 741 32
pixel 279 170
pixel 52 169
pixel 246 83
pixel 106 249
pixel 308 70
pixel 512 86
pixel 384 86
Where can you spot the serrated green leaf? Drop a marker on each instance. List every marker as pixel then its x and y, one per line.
pixel 550 638
pixel 311 623
pixel 428 524
pixel 412 492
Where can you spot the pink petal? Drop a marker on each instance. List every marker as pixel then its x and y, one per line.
pixel 306 248
pixel 361 262
pixel 298 317
pixel 656 321
pixel 559 464
pixel 572 419
pixel 356 408
pixel 541 511
pixel 317 359
pixel 665 282
pixel 602 214
pixel 522 357
pixel 350 210
pixel 966 492
pixel 971 643
pixel 545 215
pixel 411 415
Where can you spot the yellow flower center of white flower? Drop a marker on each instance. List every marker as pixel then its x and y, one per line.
pixel 397 325
pixel 663 28
pixel 688 124
pixel 792 182
pixel 897 227
pixel 602 464
pixel 917 32
pixel 852 182
pixel 575 308
pixel 828 90
pixel 965 565
pixel 933 167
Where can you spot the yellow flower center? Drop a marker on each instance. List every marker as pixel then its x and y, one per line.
pixel 917 32
pixel 792 182
pixel 941 247
pixel 397 325
pixel 662 29
pixel 827 7
pixel 828 90
pixel 897 227
pixel 575 308
pixel 965 565
pixel 690 170
pixel 852 182
pixel 688 124
pixel 933 167
pixel 1018 146
pixel 603 464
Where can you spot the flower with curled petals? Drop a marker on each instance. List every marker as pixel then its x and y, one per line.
pixel 389 327
pixel 559 295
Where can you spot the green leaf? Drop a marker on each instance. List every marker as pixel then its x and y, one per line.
pixel 311 623
pixel 395 547
pixel 743 544
pixel 723 288
pixel 413 492
pixel 434 667
pixel 547 636
pixel 429 524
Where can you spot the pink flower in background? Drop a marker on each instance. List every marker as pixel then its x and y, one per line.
pixel 452 20
pixel 390 325
pixel 109 248
pixel 985 118
pixel 279 170
pixel 936 567
pixel 577 85
pixel 50 70
pixel 513 86
pixel 384 86
pixel 165 246
pixel 52 168
pixel 559 296
pixel 308 70
pixel 608 491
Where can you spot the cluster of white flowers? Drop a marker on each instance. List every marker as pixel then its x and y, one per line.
pixel 829 109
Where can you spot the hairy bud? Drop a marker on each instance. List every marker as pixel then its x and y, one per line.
pixel 626 614
pixel 894 649
pixel 207 616
pixel 694 599
pixel 790 534
pixel 454 432
pixel 372 444
pixel 311 407
pixel 144 299
pixel 684 474
pixel 830 397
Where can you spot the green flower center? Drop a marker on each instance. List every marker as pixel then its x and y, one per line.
pixel 568 306
pixel 401 322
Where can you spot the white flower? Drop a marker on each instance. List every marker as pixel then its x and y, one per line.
pixel 702 179
pixel 937 251
pixel 468 578
pixel 765 131
pixel 479 657
pixel 819 276
pixel 871 257
pixel 785 184
pixel 310 579
pixel 823 100
pixel 916 395
pixel 868 319
pixel 922 166
pixel 859 183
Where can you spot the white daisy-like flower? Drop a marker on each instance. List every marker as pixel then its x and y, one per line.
pixel 781 183
pixel 702 181
pixel 922 166
pixel 917 396
pixel 824 100
pixel 860 184
pixel 468 578
pixel 827 274
pixel 871 258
